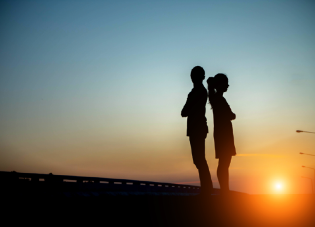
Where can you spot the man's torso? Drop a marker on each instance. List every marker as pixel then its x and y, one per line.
pixel 197 121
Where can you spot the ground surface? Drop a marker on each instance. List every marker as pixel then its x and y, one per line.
pixel 237 210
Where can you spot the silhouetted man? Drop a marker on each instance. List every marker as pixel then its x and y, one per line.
pixel 197 129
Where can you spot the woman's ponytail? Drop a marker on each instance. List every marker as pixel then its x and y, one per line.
pixel 211 88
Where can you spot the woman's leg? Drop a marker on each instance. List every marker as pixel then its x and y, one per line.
pixel 223 173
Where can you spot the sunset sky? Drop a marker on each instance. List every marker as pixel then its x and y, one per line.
pixel 95 88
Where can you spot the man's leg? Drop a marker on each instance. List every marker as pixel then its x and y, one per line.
pixel 198 153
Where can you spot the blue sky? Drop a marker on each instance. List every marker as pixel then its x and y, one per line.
pixel 86 81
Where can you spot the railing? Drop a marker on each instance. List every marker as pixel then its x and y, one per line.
pixel 78 183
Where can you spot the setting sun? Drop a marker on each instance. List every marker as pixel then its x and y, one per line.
pixel 278 186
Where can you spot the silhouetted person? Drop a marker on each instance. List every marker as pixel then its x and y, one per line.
pixel 197 129
pixel 223 130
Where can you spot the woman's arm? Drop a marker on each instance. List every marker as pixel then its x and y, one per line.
pixel 224 110
pixel 231 115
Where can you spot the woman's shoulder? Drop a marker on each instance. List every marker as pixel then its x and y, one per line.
pixel 214 100
pixel 219 101
pixel 218 98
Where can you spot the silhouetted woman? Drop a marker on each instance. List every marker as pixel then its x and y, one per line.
pixel 223 130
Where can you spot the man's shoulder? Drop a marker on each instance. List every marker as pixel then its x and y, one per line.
pixel 199 90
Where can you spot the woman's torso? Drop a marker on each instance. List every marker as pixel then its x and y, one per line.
pixel 223 130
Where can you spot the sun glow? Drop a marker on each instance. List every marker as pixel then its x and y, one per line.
pixel 278 186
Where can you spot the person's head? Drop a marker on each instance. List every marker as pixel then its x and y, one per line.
pixel 197 75
pixel 219 82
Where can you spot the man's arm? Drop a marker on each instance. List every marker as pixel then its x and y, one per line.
pixel 188 106
pixel 185 109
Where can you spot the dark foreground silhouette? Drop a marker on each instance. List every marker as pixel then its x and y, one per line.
pixel 249 210
pixel 25 199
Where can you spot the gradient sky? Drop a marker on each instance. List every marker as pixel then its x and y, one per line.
pixel 95 88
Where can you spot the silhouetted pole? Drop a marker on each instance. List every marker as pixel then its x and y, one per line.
pixel 298 131
pixel 310 168
pixel 307 154
pixel 311 183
